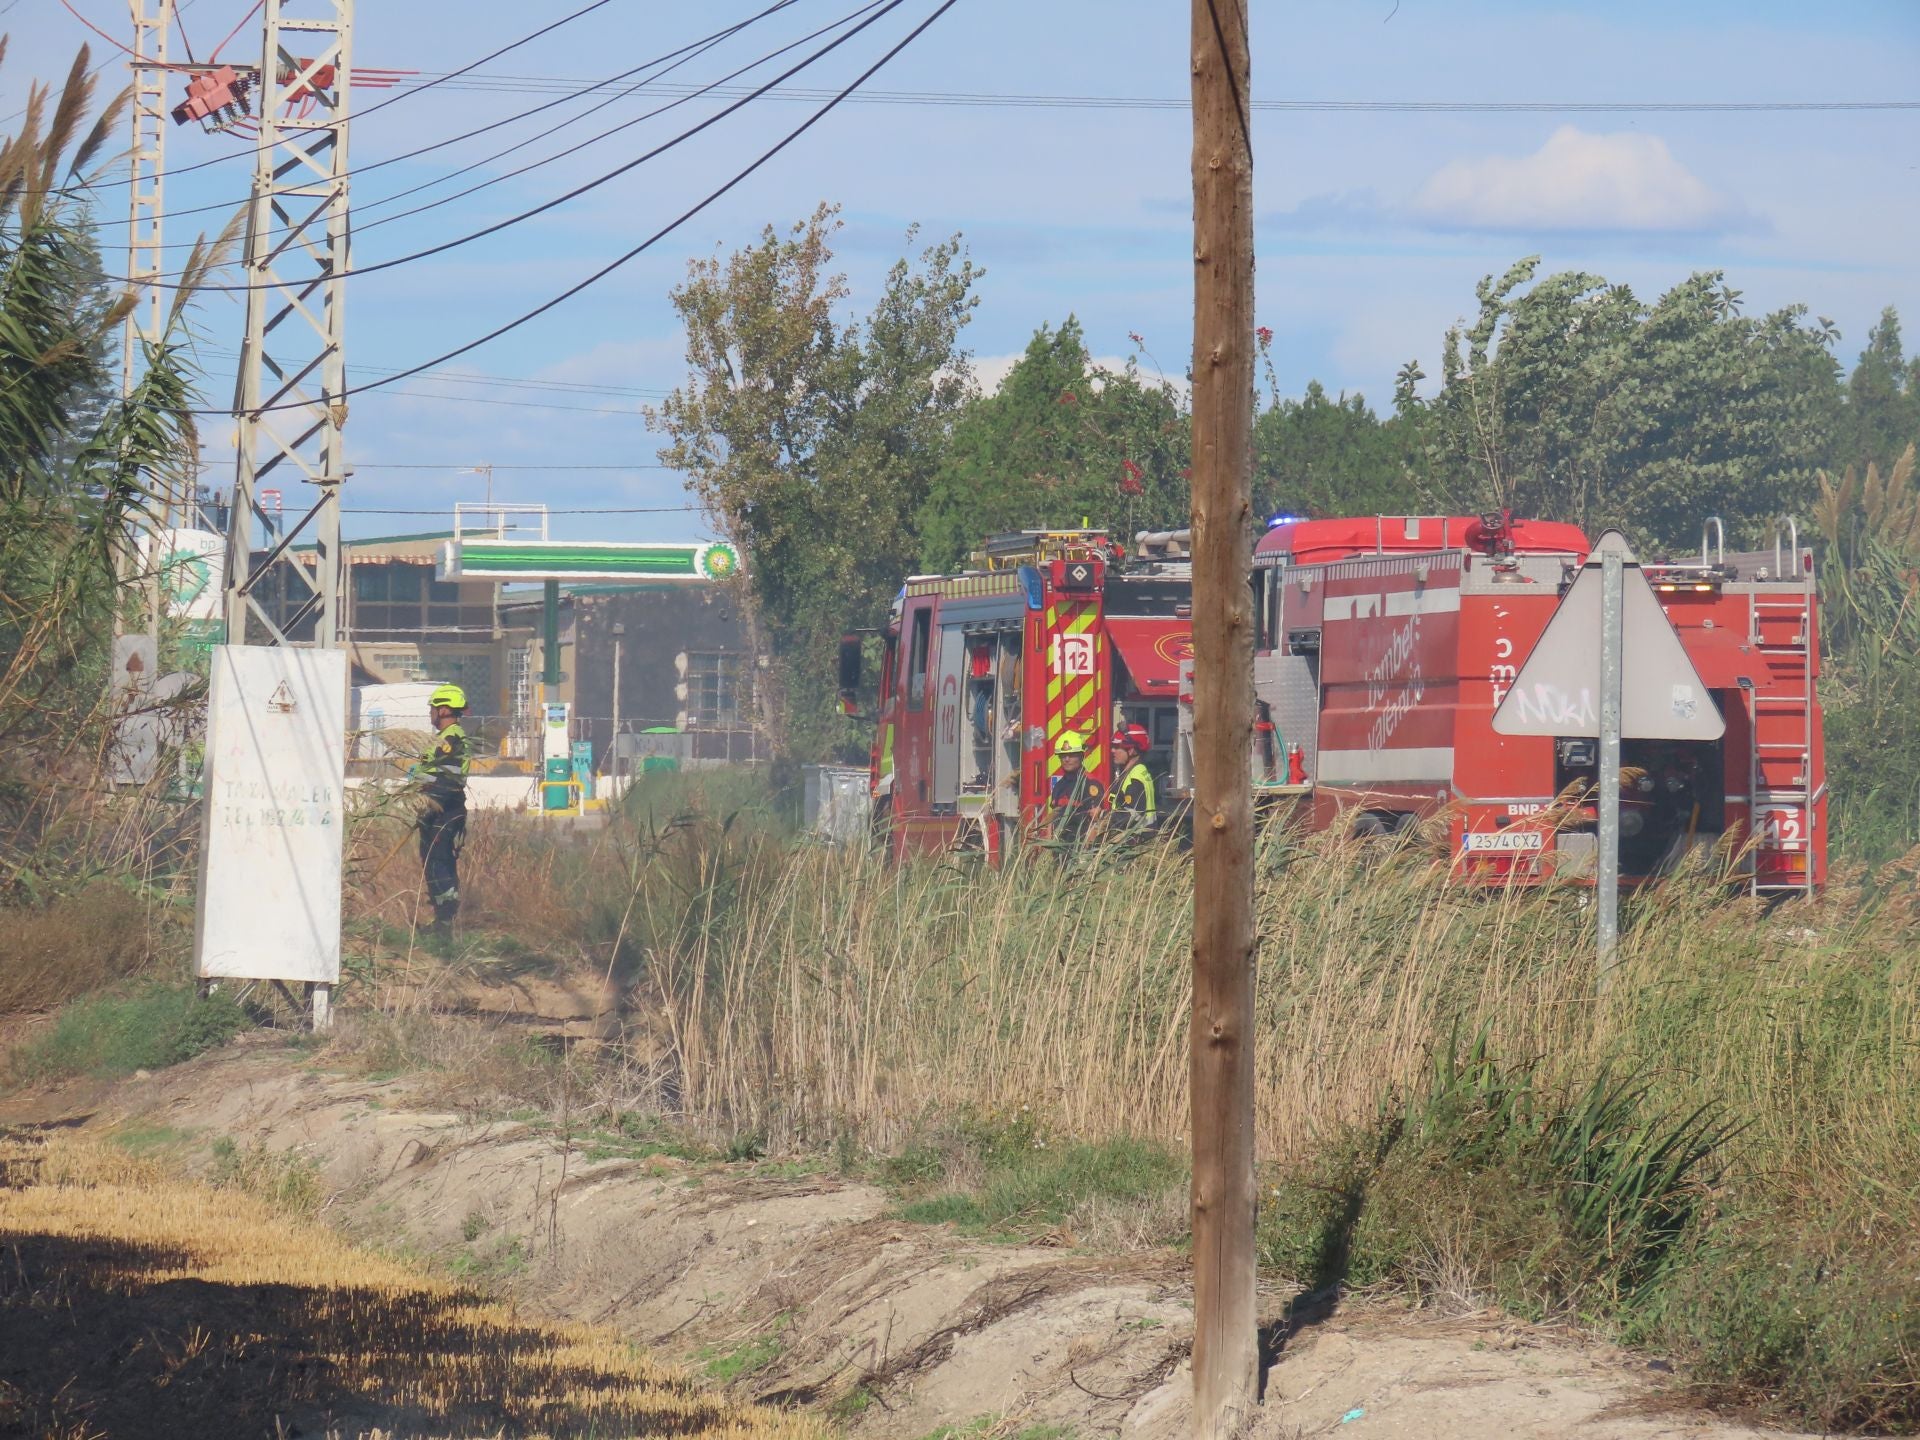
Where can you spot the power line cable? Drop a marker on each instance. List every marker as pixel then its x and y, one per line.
pixel 591 140
pixel 511 382
pixel 611 510
pixel 998 100
pixel 690 94
pixel 93 27
pixel 628 469
pixel 253 11
pixel 91 74
pixel 516 404
pixel 393 99
pixel 738 178
pixel 888 7
pixel 691 50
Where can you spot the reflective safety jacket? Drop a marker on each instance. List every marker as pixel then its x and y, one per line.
pixel 1076 798
pixel 1134 803
pixel 442 771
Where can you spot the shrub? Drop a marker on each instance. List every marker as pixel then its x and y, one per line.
pixel 69 946
pixel 153 1026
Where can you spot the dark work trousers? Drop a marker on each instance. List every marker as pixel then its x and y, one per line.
pixel 443 830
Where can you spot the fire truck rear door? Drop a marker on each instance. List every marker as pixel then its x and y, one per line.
pixel 950 687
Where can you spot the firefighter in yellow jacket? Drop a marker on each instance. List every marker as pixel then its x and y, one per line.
pixel 1136 809
pixel 442 777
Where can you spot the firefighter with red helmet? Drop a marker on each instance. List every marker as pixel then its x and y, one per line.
pixel 1135 808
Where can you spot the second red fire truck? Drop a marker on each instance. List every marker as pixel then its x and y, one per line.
pixel 984 670
pixel 1384 646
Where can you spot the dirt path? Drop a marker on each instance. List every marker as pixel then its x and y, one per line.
pixel 798 1288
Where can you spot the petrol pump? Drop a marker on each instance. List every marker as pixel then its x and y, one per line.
pixel 556 751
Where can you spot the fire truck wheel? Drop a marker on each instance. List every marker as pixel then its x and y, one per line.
pixel 1373 825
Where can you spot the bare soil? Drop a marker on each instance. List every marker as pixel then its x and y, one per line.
pixel 800 1288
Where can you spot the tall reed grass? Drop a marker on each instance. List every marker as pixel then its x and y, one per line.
pixel 1716 1152
pixel 839 991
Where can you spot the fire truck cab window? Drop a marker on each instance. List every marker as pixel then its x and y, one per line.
pixel 917 658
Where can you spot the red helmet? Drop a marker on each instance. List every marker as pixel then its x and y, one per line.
pixel 1134 737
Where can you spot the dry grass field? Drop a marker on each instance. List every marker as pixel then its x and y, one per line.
pixel 136 1305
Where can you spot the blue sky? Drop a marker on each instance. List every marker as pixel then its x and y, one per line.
pixel 1373 227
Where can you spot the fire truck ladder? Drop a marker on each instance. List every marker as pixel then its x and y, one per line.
pixel 1780 762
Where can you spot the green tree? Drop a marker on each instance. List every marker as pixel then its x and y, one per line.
pixel 1883 398
pixel 1062 442
pixel 77 459
pixel 1572 399
pixel 812 440
pixel 1870 633
pixel 1322 455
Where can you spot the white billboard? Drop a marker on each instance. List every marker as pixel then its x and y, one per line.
pixel 269 896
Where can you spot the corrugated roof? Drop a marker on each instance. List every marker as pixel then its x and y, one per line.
pixel 354 546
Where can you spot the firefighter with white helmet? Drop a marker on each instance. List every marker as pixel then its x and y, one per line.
pixel 1077 796
pixel 442 778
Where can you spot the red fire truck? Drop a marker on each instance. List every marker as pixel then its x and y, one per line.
pixel 982 672
pixel 1386 644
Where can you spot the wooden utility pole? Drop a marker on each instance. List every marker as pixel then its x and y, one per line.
pixel 1226 1362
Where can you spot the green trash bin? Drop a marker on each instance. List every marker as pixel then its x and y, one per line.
pixel 651 763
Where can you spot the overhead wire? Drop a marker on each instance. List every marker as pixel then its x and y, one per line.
pixel 393 99
pixel 171 283
pixel 469 465
pixel 575 149
pixel 550 510
pixel 94 28
pixel 255 10
pixel 690 50
pixel 515 404
pixel 511 382
pixel 536 85
pixel 734 182
pixel 571 150
pixel 1097 102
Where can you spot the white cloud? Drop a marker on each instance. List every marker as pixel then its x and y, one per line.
pixel 990 370
pixel 1576 181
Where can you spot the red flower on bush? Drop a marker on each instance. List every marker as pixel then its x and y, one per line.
pixel 1130 479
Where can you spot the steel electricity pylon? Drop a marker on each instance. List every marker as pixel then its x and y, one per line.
pixel 146 215
pixel 290 402
pixel 147 156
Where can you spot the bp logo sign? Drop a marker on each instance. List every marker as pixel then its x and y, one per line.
pixel 187 577
pixel 717 562
pixel 190 572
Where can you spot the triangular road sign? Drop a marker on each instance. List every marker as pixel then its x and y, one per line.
pixel 1558 689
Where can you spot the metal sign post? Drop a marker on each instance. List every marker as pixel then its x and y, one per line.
pixel 1609 667
pixel 1612 686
